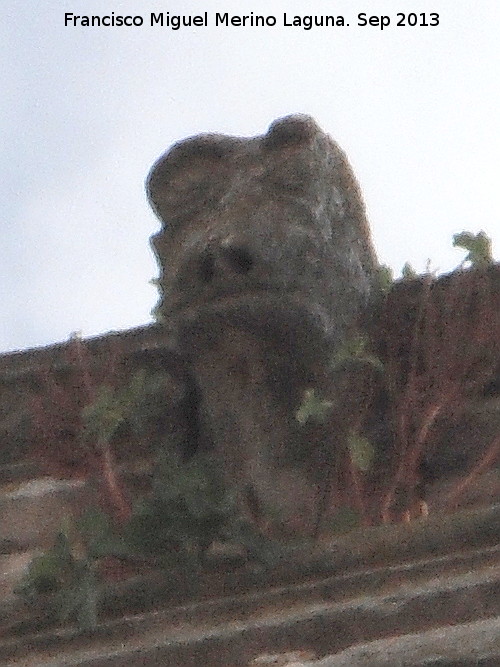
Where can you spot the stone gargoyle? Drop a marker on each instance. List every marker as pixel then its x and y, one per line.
pixel 266 268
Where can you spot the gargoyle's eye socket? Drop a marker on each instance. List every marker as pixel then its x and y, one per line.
pixel 206 267
pixel 238 259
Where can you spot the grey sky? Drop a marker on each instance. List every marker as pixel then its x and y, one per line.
pixel 84 112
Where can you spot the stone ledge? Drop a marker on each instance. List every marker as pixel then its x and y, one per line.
pixel 207 634
pixel 31 514
pixel 461 645
pixel 363 561
pixel 324 628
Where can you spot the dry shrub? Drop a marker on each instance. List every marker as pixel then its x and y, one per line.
pixel 440 343
pixel 58 409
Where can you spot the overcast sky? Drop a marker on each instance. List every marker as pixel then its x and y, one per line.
pixel 84 112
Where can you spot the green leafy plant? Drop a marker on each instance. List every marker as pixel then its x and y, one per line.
pixel 478 246
pixel 187 510
pixel 313 408
pixel 104 416
pixel 66 574
pixel 361 451
pixel 353 455
pixel 99 536
pixel 408 272
pixel 385 278
pixel 356 349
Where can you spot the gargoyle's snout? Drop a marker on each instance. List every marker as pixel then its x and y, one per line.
pixel 211 269
pixel 245 263
pixel 224 263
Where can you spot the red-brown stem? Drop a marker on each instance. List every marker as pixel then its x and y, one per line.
pixel 491 456
pixel 116 496
pixel 415 453
pixel 405 407
pixel 359 495
pixel 114 490
pixel 83 364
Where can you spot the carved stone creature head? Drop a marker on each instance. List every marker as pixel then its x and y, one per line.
pixel 266 264
pixel 277 218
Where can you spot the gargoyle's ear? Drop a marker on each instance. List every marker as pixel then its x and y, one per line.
pixel 190 177
pixel 293 130
pixel 294 156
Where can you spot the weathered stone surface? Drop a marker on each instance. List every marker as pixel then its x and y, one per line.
pixel 266 265
pixel 12 568
pixel 32 514
pixel 323 616
pixel 289 659
pixel 280 214
pixel 463 645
